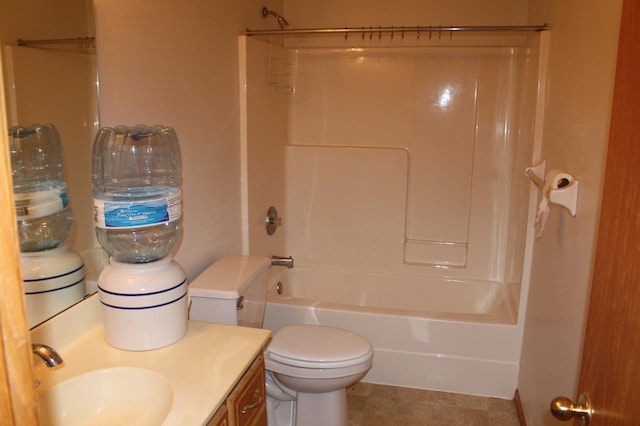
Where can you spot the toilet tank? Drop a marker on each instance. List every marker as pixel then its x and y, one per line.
pixel 231 291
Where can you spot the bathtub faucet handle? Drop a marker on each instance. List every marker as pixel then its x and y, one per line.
pixel 282 261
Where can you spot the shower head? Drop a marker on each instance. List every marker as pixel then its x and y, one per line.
pixel 281 21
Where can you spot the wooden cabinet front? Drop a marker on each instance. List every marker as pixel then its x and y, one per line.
pixel 221 417
pixel 246 405
pixel 247 402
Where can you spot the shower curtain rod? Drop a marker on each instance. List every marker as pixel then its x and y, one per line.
pixel 80 41
pixel 379 30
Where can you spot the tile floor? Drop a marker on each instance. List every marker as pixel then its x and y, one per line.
pixel 380 405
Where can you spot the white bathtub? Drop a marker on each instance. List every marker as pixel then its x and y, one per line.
pixel 427 333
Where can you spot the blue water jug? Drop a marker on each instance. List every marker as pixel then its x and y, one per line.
pixel 136 174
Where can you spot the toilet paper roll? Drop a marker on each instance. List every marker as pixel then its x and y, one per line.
pixel 556 179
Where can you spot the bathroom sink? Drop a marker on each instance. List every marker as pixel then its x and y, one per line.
pixel 114 396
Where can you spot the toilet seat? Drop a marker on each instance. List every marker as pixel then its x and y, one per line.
pixel 318 347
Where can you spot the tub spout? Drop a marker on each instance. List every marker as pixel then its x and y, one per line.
pixel 48 354
pixel 282 261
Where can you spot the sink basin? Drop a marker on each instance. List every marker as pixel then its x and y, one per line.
pixel 114 396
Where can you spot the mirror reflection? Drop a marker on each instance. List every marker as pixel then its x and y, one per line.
pixel 48 57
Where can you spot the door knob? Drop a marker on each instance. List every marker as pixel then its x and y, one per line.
pixel 563 408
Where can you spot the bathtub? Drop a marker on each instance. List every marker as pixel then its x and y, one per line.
pixel 427 333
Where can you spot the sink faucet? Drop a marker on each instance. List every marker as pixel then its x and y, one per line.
pixel 48 354
pixel 282 261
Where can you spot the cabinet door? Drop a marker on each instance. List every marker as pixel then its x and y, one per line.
pixel 247 402
pixel 220 418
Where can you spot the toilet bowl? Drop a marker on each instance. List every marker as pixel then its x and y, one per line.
pixel 307 367
pixel 317 363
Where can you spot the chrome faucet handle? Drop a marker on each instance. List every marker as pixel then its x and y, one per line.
pixel 49 355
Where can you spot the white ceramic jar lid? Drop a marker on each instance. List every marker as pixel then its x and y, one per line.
pixel 317 346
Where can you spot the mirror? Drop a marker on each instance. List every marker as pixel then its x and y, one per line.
pixel 51 79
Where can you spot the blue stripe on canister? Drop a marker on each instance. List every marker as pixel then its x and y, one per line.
pixel 55 289
pixel 33 280
pixel 142 294
pixel 144 307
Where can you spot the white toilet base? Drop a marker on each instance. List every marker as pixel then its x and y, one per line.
pixel 281 404
pixel 289 408
pixel 280 413
pixel 322 409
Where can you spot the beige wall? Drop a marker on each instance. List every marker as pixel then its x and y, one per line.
pixel 176 64
pixel 579 89
pixel 340 13
pixel 44 19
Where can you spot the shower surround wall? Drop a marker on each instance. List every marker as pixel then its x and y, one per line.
pixel 447 111
pixel 393 160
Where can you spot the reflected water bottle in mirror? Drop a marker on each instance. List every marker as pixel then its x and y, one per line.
pixel 40 192
pixel 136 174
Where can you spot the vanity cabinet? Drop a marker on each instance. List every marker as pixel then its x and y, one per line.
pixel 246 404
pixel 220 418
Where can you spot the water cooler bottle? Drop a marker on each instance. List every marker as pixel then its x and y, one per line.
pixel 53 274
pixel 136 175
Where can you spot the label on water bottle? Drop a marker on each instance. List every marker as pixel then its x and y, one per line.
pixel 32 205
pixel 137 214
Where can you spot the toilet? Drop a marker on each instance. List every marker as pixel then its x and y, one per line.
pixel 308 367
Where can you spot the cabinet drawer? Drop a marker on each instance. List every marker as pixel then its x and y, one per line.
pixel 247 403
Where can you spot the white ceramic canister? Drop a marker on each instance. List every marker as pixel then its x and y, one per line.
pixel 144 305
pixel 53 281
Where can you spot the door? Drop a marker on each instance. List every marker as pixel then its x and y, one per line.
pixel 610 372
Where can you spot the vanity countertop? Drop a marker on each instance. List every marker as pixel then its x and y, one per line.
pixel 202 367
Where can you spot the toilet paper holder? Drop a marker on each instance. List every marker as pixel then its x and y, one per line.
pixel 557 187
pixel 563 191
pixel 537 173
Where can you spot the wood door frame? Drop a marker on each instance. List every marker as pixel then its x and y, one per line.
pixel 18 398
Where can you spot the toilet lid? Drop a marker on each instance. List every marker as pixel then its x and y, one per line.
pixel 316 346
